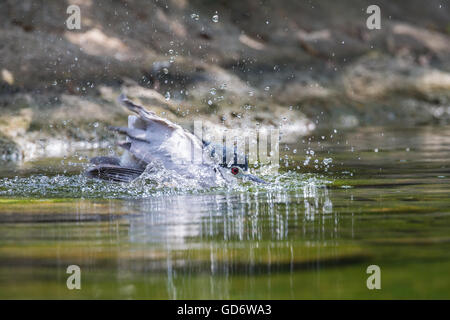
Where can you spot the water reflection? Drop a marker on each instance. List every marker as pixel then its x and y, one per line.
pixel 178 220
pixel 307 235
pixel 232 234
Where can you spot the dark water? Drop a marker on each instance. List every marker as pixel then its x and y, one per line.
pixel 312 233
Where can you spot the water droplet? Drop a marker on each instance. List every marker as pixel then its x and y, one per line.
pixel 195 16
pixel 167 96
pixel 215 18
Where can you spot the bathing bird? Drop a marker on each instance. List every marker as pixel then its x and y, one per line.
pixel 152 140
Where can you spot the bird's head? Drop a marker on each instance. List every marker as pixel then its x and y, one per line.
pixel 239 172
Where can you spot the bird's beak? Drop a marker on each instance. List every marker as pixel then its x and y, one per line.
pixel 253 178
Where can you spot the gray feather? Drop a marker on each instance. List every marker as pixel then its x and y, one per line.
pixel 115 173
pixel 105 160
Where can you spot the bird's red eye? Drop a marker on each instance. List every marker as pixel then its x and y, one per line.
pixel 234 171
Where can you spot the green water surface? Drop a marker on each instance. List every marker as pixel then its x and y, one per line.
pixel 311 233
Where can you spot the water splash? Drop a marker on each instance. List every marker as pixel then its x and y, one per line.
pixel 151 184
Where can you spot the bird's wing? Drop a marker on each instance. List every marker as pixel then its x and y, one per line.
pixel 105 160
pixel 115 173
pixel 133 133
pixel 151 137
pixel 145 115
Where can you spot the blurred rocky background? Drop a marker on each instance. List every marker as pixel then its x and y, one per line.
pixel 300 65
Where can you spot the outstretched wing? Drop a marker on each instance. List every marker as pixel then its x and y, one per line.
pixel 152 138
pixel 146 116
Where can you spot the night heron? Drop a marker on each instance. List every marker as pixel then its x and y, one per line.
pixel 151 139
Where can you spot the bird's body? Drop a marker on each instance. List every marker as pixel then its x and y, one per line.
pixel 155 141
